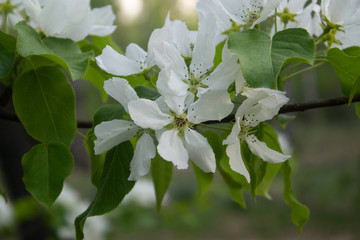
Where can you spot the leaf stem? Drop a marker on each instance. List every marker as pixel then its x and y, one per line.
pixel 302 71
pixel 213 127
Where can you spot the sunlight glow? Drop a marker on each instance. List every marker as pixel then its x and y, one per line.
pixel 130 10
pixel 186 7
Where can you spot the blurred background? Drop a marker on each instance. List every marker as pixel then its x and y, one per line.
pixel 325 144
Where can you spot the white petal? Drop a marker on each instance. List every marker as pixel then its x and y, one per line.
pixel 171 148
pixel 233 136
pixel 170 83
pixel 112 62
pixel 51 18
pixel 200 152
pixel 111 133
pixel 236 162
pixel 147 114
pixel 103 21
pixel 264 152
pixel 213 105
pixel 120 89
pixel 135 52
pixel 145 151
pixel 178 34
pixel 33 9
pixel 269 10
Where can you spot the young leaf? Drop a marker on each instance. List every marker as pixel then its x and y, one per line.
pixel 7 53
pixel 161 172
pixel 45 104
pixel 64 52
pixel 347 66
pixel 299 212
pixel 113 187
pixel 261 58
pixel 45 168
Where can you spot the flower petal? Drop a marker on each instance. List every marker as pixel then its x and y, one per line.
pixel 135 53
pixel 112 62
pixel 147 114
pixel 120 89
pixel 171 148
pixel 111 133
pixel 212 105
pixel 232 138
pixel 199 150
pixel 235 160
pixel 145 151
pixel 103 21
pixel 264 152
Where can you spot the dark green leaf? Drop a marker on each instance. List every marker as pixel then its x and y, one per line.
pixel 108 112
pixel 347 66
pixel 354 90
pixel 299 212
pixel 262 58
pixel 7 53
pixel 161 172
pixel 45 168
pixel 357 106
pixel 147 92
pixel 97 77
pixel 45 104
pixel 64 52
pixel 113 187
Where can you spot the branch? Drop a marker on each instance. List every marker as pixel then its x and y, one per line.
pixel 287 108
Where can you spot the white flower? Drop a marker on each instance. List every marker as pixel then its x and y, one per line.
pixel 342 22
pixel 261 104
pixel 69 18
pixel 136 60
pixel 12 8
pixel 111 133
pixel 249 12
pixel 178 142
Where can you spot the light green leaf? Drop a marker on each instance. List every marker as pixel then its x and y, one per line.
pixel 299 212
pixel 97 77
pixel 45 168
pixel 284 119
pixel 347 66
pixel 261 58
pixel 7 53
pixel 102 42
pixel 204 179
pixel 354 90
pixel 113 187
pixel 45 104
pixel 64 52
pixel 161 172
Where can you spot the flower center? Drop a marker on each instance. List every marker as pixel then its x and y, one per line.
pixel 250 14
pixel 286 16
pixel 246 128
pixel 195 79
pixel 7 7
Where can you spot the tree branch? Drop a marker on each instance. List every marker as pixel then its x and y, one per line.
pixel 287 108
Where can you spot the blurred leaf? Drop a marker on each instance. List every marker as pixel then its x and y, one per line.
pixel 45 168
pixel 97 77
pixel 204 179
pixel 284 119
pixel 357 106
pixel 147 92
pixel 45 104
pixel 261 58
pixel 102 42
pixel 2 193
pixel 218 54
pixel 354 90
pixel 161 172
pixel 7 54
pixel 113 187
pixel 108 112
pixel 299 212
pixel 347 66
pixel 64 52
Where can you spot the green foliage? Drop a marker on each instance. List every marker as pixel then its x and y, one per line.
pixel 113 187
pixel 204 179
pixel 161 172
pixel 147 92
pixel 45 168
pixel 108 112
pixel 64 52
pixel 346 64
pixel 7 54
pixel 97 77
pixel 262 58
pixel 45 104
pixel 299 212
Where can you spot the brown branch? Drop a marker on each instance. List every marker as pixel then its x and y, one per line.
pixel 287 108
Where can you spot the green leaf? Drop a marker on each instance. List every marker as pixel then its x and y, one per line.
pixel 97 77
pixel 108 112
pixel 45 168
pixel 299 212
pixel 284 119
pixel 147 92
pixel 204 179
pixel 113 187
pixel 45 104
pixel 102 42
pixel 262 58
pixel 347 66
pixel 64 52
pixel 357 109
pixel 354 90
pixel 161 172
pixel 7 53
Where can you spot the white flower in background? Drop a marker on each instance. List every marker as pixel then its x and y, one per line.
pixel 178 142
pixel 111 133
pixel 12 9
pixel 136 60
pixel 342 22
pixel 249 12
pixel 293 14
pixel 69 18
pixel 261 104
